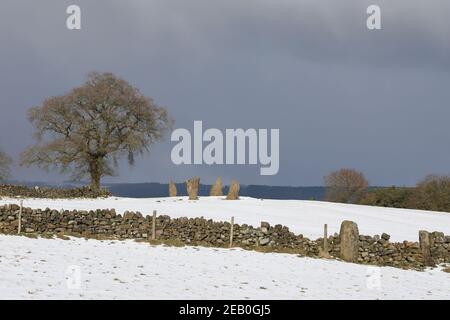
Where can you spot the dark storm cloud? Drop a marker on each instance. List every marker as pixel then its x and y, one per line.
pixel 340 94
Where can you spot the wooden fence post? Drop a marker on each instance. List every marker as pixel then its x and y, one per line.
pixel 154 225
pixel 231 231
pixel 325 237
pixel 19 227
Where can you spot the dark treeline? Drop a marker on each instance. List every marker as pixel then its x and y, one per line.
pixel 145 190
pixel 153 190
pixel 432 193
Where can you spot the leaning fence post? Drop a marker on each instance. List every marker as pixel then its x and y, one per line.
pixel 325 237
pixel 154 225
pixel 19 227
pixel 231 231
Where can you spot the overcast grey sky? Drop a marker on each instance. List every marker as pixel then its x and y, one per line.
pixel 341 95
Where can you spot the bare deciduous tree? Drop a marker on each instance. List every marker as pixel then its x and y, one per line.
pixel 88 130
pixel 432 193
pixel 345 185
pixel 5 163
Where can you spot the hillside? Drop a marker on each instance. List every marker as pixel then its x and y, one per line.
pixel 302 217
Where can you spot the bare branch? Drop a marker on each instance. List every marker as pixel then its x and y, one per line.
pixel 345 185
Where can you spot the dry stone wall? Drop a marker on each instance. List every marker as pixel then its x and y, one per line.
pixel 13 191
pixel 374 250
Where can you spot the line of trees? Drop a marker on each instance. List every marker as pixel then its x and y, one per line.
pixel 88 130
pixel 351 186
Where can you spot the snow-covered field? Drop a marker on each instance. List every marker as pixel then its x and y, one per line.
pixel 49 268
pixel 92 269
pixel 305 217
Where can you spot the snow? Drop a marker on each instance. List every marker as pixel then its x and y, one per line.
pixel 48 268
pixel 305 217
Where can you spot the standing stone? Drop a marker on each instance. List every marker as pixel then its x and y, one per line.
pixel 233 192
pixel 425 247
pixel 192 186
pixel 172 189
pixel 349 241
pixel 216 189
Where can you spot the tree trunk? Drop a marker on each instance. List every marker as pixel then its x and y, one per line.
pixel 95 175
pixel 95 182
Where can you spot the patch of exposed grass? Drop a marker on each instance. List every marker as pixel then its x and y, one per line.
pixel 62 236
pixel 265 249
pixel 47 235
pixel 98 237
pixel 30 235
